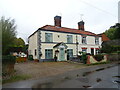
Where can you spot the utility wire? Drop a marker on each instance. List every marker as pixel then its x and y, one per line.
pixel 98 8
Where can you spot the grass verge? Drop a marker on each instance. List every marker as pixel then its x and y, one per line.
pixel 16 78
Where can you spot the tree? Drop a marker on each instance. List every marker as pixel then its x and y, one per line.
pixel 110 33
pixel 19 42
pixel 113 32
pixel 117 32
pixel 8 33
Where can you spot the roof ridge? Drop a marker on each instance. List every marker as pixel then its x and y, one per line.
pixel 69 29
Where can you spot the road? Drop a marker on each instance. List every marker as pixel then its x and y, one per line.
pixel 103 76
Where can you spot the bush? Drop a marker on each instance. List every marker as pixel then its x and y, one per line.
pixel 8 59
pixel 21 59
pixel 8 65
pixel 84 58
pixel 98 57
pixel 118 52
pixel 108 48
pixel 30 57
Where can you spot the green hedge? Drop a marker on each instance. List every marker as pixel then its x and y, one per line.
pixel 8 59
pixel 8 66
pixel 84 58
pixel 98 57
pixel 110 48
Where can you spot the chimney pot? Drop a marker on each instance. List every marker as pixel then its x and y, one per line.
pixel 81 25
pixel 57 21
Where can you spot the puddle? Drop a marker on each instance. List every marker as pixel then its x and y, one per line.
pixel 86 86
pixel 98 79
pixel 116 81
pixel 67 78
pixel 117 76
pixel 87 73
pixel 42 85
pixel 100 69
pixel 83 79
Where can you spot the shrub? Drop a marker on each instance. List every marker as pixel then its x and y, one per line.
pixel 8 65
pixel 8 59
pixel 98 57
pixel 30 57
pixel 118 52
pixel 84 58
pixel 21 59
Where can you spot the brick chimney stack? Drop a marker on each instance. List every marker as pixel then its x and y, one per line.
pixel 57 21
pixel 81 25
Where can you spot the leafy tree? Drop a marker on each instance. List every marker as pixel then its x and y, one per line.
pixel 19 42
pixel 110 33
pixel 8 33
pixel 117 32
pixel 113 32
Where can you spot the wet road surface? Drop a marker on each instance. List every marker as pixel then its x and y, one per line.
pixel 103 76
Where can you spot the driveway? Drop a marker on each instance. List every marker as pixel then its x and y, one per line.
pixel 44 69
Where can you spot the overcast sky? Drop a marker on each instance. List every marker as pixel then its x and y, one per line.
pixel 29 15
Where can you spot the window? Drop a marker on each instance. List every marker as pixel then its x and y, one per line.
pixel 92 51
pixel 69 53
pixel 69 39
pixel 84 40
pixel 96 40
pixel 97 51
pixel 48 53
pixel 35 52
pixel 48 37
pixel 84 50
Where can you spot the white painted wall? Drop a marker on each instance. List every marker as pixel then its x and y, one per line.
pixel 33 45
pixel 62 38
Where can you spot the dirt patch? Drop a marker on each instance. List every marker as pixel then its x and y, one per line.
pixel 44 69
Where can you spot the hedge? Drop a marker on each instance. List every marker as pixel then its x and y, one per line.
pixel 98 57
pixel 8 65
pixel 8 59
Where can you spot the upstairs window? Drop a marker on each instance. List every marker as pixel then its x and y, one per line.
pixel 69 39
pixel 97 40
pixel 48 37
pixel 84 40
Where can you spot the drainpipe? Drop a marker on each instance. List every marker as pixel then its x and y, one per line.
pixel 77 45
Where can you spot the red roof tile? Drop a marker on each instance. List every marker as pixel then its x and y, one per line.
pixel 104 37
pixel 69 30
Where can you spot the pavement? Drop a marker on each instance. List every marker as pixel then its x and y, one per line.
pixel 101 76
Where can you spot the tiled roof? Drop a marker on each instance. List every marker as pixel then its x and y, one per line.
pixel 104 37
pixel 69 30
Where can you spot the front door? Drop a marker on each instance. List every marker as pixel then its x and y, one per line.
pixel 92 51
pixel 62 54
